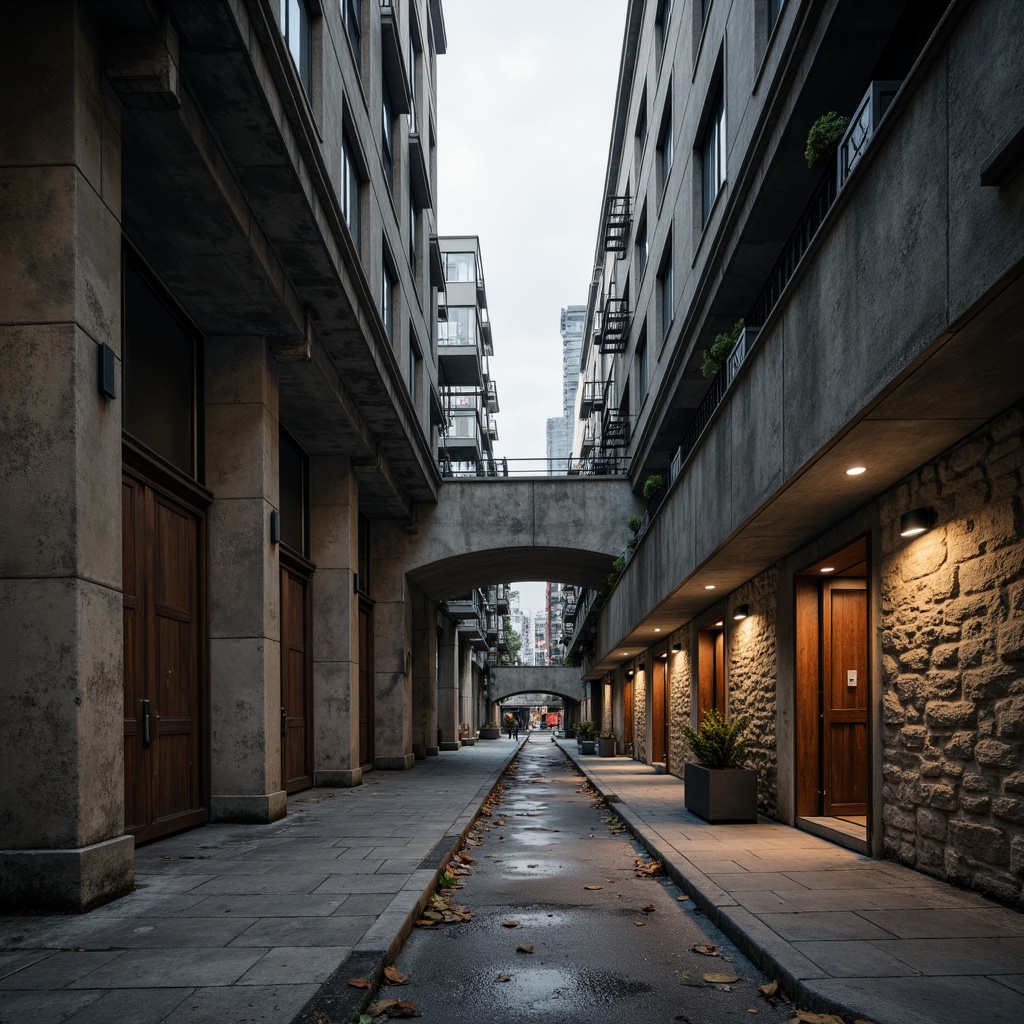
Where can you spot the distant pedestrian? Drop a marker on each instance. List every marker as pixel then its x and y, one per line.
pixel 515 728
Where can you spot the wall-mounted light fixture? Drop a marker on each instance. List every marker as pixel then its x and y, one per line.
pixel 677 646
pixel 664 656
pixel 741 611
pixel 275 526
pixel 917 521
pixel 107 373
pixel 629 673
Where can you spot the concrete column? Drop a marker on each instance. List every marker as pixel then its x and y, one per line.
pixel 448 688
pixel 424 677
pixel 392 677
pixel 465 660
pixel 61 678
pixel 245 586
pixel 334 537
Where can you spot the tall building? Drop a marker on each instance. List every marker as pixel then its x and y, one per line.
pixel 560 428
pixel 812 375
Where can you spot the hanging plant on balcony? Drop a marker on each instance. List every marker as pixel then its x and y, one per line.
pixel 654 485
pixel 724 343
pixel 617 566
pixel 824 136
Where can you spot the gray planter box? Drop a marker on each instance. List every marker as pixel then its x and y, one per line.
pixel 720 795
pixel 607 748
pixel 490 734
pixel 588 746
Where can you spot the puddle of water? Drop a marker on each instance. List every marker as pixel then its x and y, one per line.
pixel 566 990
pixel 530 868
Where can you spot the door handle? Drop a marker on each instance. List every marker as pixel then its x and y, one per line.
pixel 284 723
pixel 147 738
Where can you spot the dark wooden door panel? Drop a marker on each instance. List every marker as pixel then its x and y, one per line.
pixel 164 763
pixel 366 751
pixel 296 680
pixel 659 748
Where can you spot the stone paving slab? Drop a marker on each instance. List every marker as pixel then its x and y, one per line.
pixel 842 932
pixel 247 922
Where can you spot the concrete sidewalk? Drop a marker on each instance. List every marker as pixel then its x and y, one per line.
pixel 843 933
pixel 249 922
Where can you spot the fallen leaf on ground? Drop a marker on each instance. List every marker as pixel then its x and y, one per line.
pixel 771 990
pixel 360 982
pixel 716 978
pixel 509 924
pixel 395 976
pixel 640 924
pixel 593 888
pixel 466 859
pixel 425 922
pixel 682 899
pixel 524 948
pixel 649 909
pixel 806 1017
pixel 706 949
pixel 504 977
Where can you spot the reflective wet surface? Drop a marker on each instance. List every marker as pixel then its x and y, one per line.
pixel 607 945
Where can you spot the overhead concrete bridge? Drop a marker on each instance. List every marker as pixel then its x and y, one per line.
pixel 567 529
pixel 556 680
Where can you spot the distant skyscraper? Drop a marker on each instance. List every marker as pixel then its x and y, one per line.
pixel 560 428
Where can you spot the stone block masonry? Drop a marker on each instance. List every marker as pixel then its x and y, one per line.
pixel 953 666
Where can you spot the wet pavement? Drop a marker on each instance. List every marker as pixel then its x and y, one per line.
pixel 607 945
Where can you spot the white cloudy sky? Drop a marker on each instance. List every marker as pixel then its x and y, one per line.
pixel 525 100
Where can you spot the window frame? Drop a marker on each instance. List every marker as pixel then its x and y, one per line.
pixel 351 196
pixel 387 138
pixel 666 286
pixel 352 16
pixel 713 168
pixel 388 283
pixel 303 38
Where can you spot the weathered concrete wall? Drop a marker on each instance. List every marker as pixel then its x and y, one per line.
pixel 508 680
pixel 751 671
pixel 953 665
pixel 640 714
pixel 680 684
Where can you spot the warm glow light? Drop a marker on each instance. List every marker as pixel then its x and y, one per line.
pixel 720 622
pixel 828 568
pixel 856 470
pixel 656 630
pixel 709 586
pixel 741 611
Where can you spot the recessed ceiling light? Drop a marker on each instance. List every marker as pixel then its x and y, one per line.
pixel 856 470
pixel 719 623
pixel 828 568
pixel 709 586
pixel 656 630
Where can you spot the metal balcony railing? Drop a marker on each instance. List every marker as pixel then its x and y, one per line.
pixel 615 322
pixel 616 224
pixel 863 125
pixel 592 398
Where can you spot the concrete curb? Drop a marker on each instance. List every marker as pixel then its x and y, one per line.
pixel 763 947
pixel 336 1000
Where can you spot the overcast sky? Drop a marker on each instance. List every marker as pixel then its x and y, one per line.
pixel 525 96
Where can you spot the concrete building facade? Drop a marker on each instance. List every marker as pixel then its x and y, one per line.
pixel 834 546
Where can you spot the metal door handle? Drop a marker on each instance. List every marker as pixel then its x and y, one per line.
pixel 284 723
pixel 147 739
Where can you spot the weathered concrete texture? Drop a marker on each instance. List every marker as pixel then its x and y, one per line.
pixel 641 714
pixel 557 679
pixel 392 650
pixel 953 665
pixel 752 675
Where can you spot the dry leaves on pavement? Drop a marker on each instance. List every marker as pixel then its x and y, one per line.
pixel 649 909
pixel 706 949
pixel 360 982
pixel 524 948
pixel 509 924
pixel 806 1017
pixel 504 977
pixel 392 1008
pixel 717 978
pixel 393 976
pixel 647 868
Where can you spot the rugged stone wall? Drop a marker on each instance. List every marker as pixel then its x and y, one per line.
pixel 953 666
pixel 680 675
pixel 752 674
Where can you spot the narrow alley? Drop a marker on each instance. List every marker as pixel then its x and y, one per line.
pixel 566 926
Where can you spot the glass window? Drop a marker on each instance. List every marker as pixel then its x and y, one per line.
pixel 774 10
pixel 413 235
pixel 412 87
pixel 665 290
pixel 161 359
pixel 665 147
pixel 641 244
pixel 387 143
pixel 354 28
pixel 661 25
pixel 460 328
pixel 387 302
pixel 459 267
pixel 641 369
pixel 641 125
pixel 296 28
pixel 713 156
pixel 293 477
pixel 351 190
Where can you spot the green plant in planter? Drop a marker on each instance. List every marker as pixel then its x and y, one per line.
pixel 653 486
pixel 632 543
pixel 723 344
pixel 489 725
pixel 718 743
pixel 617 566
pixel 634 523
pixel 824 136
pixel 609 735
pixel 585 730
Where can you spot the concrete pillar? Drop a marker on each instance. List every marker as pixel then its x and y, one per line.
pixel 392 676
pixel 61 679
pixel 448 688
pixel 424 676
pixel 334 538
pixel 245 586
pixel 465 660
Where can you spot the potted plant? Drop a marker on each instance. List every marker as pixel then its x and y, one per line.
pixel 585 737
pixel 718 788
pixel 724 343
pixel 607 745
pixel 490 731
pixel 825 135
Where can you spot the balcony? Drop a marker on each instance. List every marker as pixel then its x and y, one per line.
pixel 492 428
pixel 459 356
pixel 615 323
pixel 502 600
pixel 616 224
pixel 463 440
pixel 471 633
pixel 569 614
pixel 592 397
pixel 466 608
pixel 863 125
pixel 396 77
pixel 615 428
pixel 492 397
pixel 419 175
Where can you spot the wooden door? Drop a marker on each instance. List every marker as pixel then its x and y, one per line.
pixel 296 675
pixel 165 760
pixel 628 714
pixel 710 672
pixel 366 751
pixel 659 713
pixel 844 681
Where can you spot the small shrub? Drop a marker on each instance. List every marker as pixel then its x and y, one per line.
pixel 718 743
pixel 489 725
pixel 585 730
pixel 724 343
pixel 653 486
pixel 632 543
pixel 635 522
pixel 609 735
pixel 617 566
pixel 825 134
